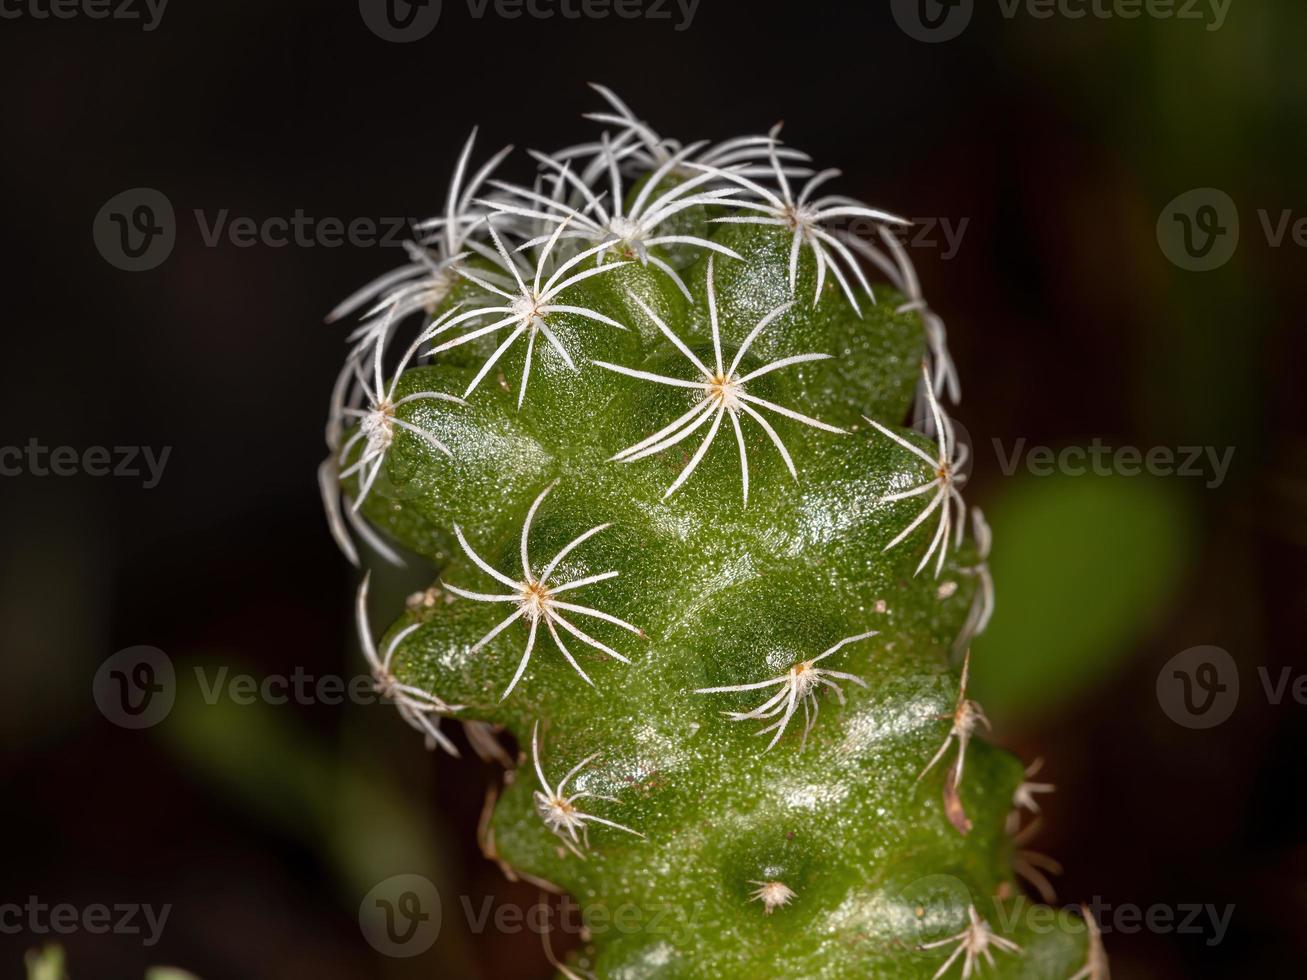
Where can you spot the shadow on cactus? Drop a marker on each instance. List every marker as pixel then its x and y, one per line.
pixel 649 430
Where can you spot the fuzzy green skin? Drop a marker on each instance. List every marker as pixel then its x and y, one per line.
pixel 727 595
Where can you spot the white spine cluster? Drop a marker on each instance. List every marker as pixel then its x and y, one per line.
pixel 973 944
pixel 965 718
pixel 514 254
pixel 537 599
pixel 421 709
pixel 559 811
pixel 949 476
pixel 722 394
pixel 519 249
pixel 797 686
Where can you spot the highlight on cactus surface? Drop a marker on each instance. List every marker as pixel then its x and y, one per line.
pixel 533 401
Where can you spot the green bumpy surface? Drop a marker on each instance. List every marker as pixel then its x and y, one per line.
pixel 726 594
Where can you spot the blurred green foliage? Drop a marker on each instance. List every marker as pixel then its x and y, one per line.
pixel 1084 565
pixel 347 801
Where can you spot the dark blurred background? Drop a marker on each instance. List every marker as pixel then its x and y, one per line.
pixel 1056 144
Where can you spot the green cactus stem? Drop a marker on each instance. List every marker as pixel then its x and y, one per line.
pixel 651 433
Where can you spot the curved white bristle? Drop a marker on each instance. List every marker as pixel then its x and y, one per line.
pixel 537 600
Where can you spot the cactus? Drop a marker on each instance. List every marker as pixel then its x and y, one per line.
pixel 650 432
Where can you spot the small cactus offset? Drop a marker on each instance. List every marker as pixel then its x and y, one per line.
pixel 649 423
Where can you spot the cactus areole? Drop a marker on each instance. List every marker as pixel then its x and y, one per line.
pixel 669 420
